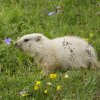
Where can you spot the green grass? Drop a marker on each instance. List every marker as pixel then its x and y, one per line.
pixel 19 73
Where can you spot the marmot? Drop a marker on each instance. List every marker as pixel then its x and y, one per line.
pixel 69 52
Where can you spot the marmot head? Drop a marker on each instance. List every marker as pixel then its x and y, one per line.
pixel 31 43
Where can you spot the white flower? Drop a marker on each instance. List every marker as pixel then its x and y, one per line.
pixel 49 83
pixel 23 93
pixel 51 13
pixel 66 76
pixel 58 7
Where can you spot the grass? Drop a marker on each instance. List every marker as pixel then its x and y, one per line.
pixel 19 73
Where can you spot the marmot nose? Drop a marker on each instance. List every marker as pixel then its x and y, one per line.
pixel 16 44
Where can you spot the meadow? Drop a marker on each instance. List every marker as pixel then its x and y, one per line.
pixel 20 78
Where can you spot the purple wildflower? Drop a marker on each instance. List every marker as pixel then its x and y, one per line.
pixel 7 40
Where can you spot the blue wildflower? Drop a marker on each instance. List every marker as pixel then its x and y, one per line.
pixel 7 40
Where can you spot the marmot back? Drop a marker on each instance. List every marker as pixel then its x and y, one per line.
pixel 75 51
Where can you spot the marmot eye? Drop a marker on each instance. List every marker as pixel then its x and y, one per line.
pixel 26 40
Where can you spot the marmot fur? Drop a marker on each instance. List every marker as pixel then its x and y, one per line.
pixel 69 52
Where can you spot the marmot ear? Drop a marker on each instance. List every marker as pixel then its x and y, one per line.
pixel 38 38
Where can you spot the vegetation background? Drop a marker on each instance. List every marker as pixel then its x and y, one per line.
pixel 53 18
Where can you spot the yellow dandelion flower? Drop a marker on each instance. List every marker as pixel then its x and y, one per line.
pixel 36 87
pixel 66 76
pixel 46 91
pixel 58 87
pixel 91 35
pixel 53 76
pixel 38 82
